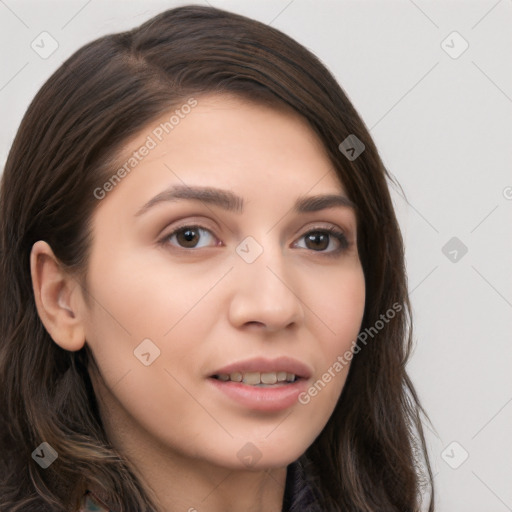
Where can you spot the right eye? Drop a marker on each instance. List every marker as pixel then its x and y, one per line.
pixel 191 237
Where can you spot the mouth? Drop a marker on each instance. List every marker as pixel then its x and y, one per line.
pixel 262 384
pixel 264 372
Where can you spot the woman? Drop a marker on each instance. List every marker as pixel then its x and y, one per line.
pixel 204 302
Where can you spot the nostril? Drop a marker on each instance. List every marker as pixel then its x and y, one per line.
pixel 255 323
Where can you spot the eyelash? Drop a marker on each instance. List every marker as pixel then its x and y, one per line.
pixel 332 231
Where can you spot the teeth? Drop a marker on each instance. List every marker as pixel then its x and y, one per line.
pixel 255 378
pixel 268 378
pixel 252 378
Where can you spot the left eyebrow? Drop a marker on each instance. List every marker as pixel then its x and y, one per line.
pixel 229 201
pixel 321 202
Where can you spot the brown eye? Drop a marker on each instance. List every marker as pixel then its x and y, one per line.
pixel 191 237
pixel 317 241
pixel 188 237
pixel 329 241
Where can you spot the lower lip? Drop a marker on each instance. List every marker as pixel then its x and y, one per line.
pixel 257 398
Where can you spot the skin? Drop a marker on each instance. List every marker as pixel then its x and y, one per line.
pixel 205 307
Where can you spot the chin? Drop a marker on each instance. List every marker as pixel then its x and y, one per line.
pixel 262 454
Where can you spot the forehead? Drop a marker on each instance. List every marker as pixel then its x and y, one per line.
pixel 228 141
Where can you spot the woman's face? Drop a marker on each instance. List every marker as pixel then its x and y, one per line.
pixel 227 251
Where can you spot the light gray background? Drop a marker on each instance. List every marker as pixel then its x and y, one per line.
pixel 443 126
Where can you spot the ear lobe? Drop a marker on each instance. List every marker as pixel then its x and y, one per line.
pixel 56 295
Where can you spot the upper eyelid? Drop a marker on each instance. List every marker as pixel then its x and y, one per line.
pixel 346 223
pixel 186 223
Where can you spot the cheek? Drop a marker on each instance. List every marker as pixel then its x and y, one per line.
pixel 137 301
pixel 146 310
pixel 144 297
pixel 339 305
pixel 338 309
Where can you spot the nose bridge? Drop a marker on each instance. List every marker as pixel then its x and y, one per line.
pixel 265 289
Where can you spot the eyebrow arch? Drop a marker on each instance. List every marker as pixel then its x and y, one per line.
pixel 321 202
pixel 223 198
pixel 229 201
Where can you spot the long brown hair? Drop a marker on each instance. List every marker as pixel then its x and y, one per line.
pixel 368 456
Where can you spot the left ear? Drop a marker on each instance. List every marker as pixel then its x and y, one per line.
pixel 57 296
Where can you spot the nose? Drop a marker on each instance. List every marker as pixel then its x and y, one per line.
pixel 265 295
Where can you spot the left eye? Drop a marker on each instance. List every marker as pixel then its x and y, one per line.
pixel 324 240
pixel 191 237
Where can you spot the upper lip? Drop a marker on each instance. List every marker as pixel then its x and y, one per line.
pixel 260 364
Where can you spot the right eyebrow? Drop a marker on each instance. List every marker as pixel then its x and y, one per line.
pixel 218 197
